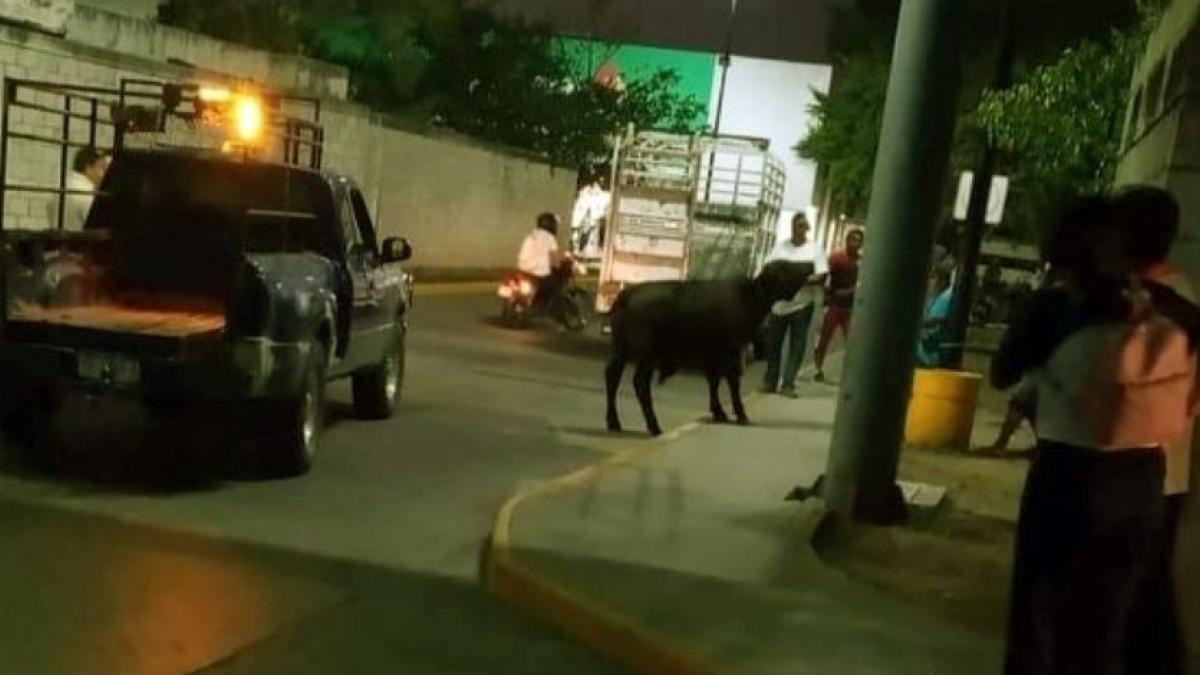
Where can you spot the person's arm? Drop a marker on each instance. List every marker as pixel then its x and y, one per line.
pixel 1036 331
pixel 820 267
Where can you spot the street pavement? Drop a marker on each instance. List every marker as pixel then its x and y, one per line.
pixel 369 564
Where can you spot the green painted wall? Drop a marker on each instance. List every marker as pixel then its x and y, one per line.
pixel 696 69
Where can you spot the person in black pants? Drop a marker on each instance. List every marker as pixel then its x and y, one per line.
pixel 1091 525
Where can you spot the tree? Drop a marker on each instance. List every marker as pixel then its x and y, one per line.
pixel 1061 124
pixel 438 62
pixel 387 46
pixel 1058 128
pixel 844 137
pixel 506 82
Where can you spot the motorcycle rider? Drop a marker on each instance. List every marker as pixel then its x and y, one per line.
pixel 542 262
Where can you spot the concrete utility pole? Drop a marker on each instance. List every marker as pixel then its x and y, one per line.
pixel 981 189
pixel 907 194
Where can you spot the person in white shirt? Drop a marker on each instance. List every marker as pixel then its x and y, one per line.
pixel 540 257
pixel 87 172
pixel 790 320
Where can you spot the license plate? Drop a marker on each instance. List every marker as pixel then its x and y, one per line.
pixel 109 369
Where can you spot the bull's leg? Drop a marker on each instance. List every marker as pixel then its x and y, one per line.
pixel 733 376
pixel 612 382
pixel 642 380
pixel 714 397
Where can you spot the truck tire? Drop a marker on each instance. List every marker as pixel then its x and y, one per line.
pixel 26 412
pixel 295 424
pixel 378 389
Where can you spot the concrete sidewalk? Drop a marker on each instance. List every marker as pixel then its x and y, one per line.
pixel 682 555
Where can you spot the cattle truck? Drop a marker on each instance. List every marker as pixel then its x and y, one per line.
pixel 689 207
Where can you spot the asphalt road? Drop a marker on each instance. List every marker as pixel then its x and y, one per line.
pixel 366 565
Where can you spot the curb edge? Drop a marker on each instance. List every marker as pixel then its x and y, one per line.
pixel 605 631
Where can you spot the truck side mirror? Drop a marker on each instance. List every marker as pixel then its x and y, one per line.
pixel 396 249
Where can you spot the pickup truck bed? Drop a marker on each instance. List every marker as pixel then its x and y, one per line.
pixel 123 319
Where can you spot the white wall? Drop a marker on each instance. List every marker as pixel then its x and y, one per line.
pixel 771 99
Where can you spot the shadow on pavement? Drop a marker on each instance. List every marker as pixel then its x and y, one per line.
pixel 99 596
pixel 123 448
pixel 791 426
pixel 599 431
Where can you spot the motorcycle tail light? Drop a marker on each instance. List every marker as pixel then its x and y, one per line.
pixel 505 291
pixel 526 287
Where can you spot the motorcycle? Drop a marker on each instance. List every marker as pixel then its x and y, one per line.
pixel 519 302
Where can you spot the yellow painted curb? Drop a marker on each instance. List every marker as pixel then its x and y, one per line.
pixel 598 627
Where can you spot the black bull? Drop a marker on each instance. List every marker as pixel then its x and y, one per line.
pixel 706 325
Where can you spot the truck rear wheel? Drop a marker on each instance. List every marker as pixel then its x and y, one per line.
pixel 295 424
pixel 377 390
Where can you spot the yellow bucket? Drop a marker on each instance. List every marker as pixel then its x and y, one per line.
pixel 941 412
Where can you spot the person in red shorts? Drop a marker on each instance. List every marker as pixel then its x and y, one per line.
pixel 839 297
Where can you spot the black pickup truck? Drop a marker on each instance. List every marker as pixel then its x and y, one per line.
pixel 208 279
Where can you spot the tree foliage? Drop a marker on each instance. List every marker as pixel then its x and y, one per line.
pixel 1058 128
pixel 1061 124
pixel 844 137
pixel 438 62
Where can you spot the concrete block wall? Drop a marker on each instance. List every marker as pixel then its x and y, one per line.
pixel 26 54
pixel 464 205
pixel 124 34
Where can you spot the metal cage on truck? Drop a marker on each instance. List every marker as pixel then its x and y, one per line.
pixel 689 207
pixel 738 201
pixel 61 118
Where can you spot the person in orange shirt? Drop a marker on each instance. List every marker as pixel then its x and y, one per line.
pixel 1150 217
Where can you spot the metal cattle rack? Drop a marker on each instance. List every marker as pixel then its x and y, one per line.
pixel 738 201
pixel 654 187
pixel 137 113
pixel 689 207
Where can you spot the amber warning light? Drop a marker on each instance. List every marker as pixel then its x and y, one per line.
pixel 248 118
pixel 243 114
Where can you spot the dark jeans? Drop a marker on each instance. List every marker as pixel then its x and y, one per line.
pixel 1156 641
pixel 1087 542
pixel 793 329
